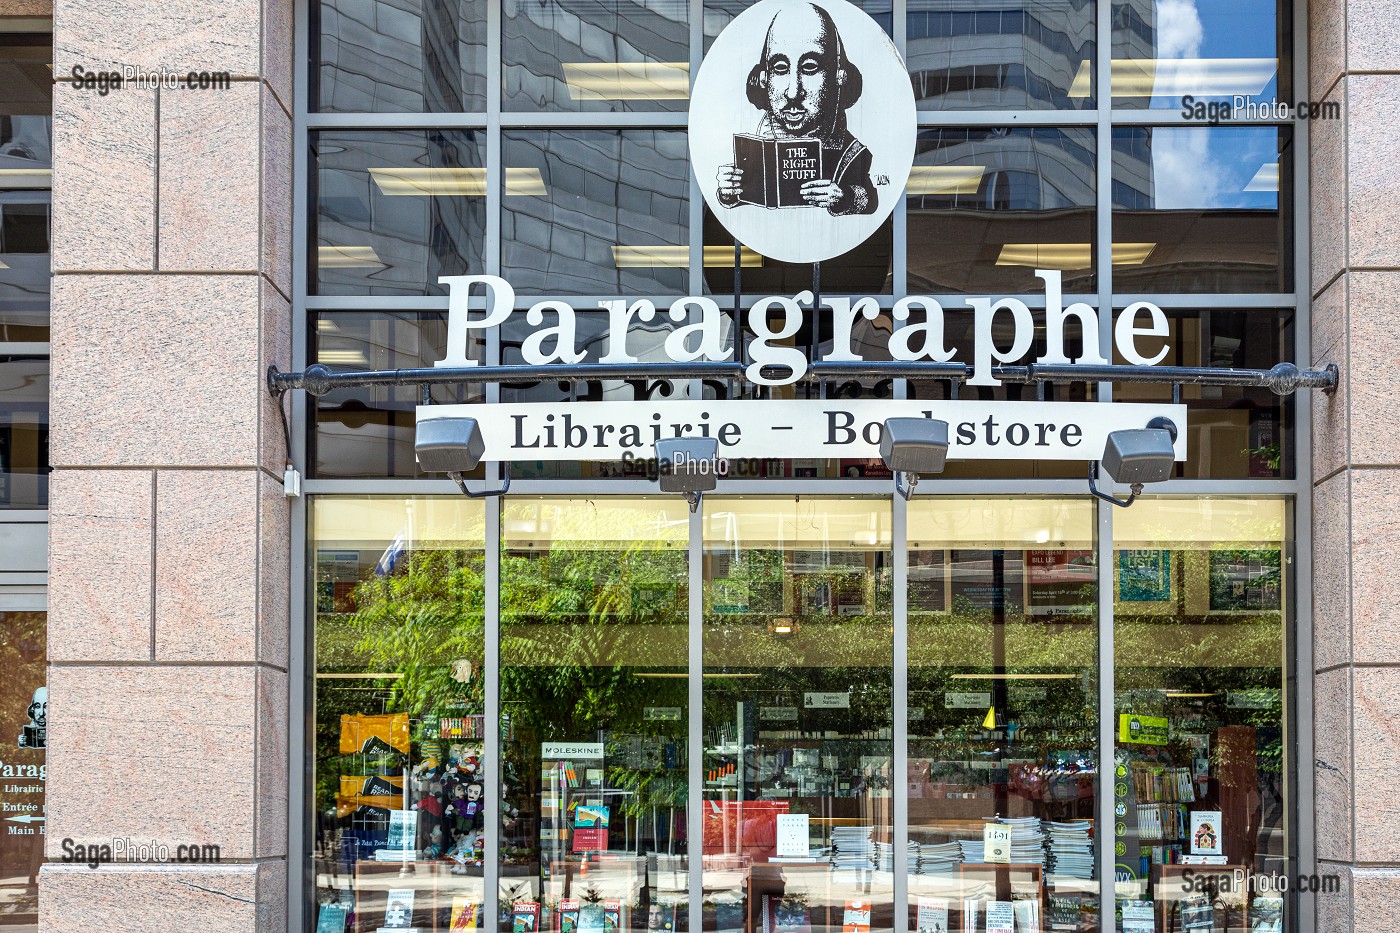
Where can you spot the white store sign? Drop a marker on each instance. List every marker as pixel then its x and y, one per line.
pixel 800 428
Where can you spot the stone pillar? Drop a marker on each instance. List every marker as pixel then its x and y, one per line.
pixel 169 543
pixel 1355 207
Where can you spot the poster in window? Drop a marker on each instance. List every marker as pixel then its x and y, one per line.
pixel 1060 582
pixel 1245 581
pixel 1144 576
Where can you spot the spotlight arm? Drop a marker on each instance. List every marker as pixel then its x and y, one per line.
pixel 904 483
pixel 1136 488
pixel 485 493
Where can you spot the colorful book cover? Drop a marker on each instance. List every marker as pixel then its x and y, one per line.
pixel 374 735
pixel 331 919
pixel 932 916
pixel 590 828
pixel 525 917
pixel 856 918
pixel 612 916
pixel 567 916
pixel 464 914
pixel 398 913
pixel 1205 832
pixel 789 915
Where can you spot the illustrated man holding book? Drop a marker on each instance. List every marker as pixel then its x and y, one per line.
pixel 803 154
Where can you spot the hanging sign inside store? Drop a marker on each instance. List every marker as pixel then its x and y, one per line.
pixel 915 326
pixel 967 700
pixel 826 700
pixel 802 428
pixel 802 128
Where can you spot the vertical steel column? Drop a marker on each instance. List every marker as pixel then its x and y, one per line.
pixel 492 664
pixel 694 814
pixel 1105 834
pixel 899 530
pixel 1103 255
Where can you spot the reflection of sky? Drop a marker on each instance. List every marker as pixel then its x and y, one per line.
pixel 1216 29
pixel 1209 167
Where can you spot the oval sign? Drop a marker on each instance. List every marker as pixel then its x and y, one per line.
pixel 802 128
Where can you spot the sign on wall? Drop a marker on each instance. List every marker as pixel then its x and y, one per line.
pixel 817 428
pixel 802 128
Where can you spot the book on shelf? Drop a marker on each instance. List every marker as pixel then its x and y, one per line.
pixel 612 916
pixel 1138 917
pixel 932 916
pixel 1001 917
pixel 776 169
pixel 331 919
pixel 856 917
pixel 786 914
pixel 465 910
pixel 398 912
pixel 525 917
pixel 567 916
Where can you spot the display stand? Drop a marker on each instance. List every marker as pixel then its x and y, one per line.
pixel 1175 886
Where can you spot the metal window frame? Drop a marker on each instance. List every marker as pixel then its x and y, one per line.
pixel 1298 668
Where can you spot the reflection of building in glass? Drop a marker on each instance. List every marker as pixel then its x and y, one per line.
pixel 988 207
pixel 402 55
pixel 397 210
pixel 595 55
pixel 609 200
pixel 1032 54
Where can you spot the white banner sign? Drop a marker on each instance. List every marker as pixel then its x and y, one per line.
pixel 786 428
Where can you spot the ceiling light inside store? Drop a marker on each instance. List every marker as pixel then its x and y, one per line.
pixel 631 257
pixel 945 179
pixel 1083 80
pixel 342 358
pixel 26 177
pixel 1194 696
pixel 348 257
pixel 1203 77
pixel 1015 676
pixel 1070 255
pixel 628 80
pixel 1266 179
pixel 454 182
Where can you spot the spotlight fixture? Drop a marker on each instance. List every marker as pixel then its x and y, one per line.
pixel 454 446
pixel 689 466
pixel 912 447
pixel 1136 457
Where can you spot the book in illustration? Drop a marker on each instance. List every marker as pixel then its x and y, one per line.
pixel 803 154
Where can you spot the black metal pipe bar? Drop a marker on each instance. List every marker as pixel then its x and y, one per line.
pixel 1283 379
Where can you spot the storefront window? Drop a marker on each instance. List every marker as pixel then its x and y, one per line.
pixel 1233 432
pixel 26 170
pixel 591 55
pixel 1165 51
pixel 608 214
pixel 406 56
pixel 594 713
pixel 1202 598
pixel 24 432
pixel 798 822
pixel 1210 208
pixel 369 431
pixel 1003 692
pixel 394 211
pixel 1027 55
pixel 24 699
pixel 399 705
pixel 987 207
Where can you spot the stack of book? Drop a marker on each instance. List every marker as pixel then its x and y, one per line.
pixel 939 858
pixel 1071 848
pixel 852 847
pixel 1027 840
